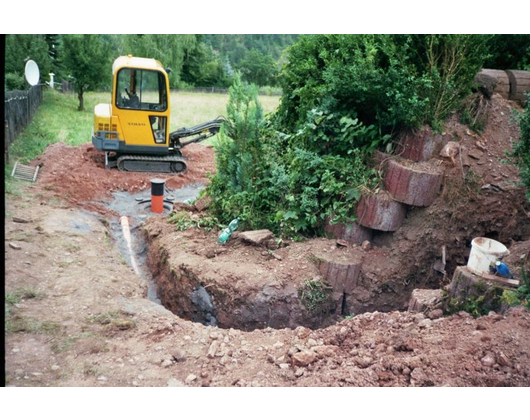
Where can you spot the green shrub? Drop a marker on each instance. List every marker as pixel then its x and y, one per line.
pixel 316 296
pixel 392 81
pixel 521 150
pixel 343 97
pixel 288 183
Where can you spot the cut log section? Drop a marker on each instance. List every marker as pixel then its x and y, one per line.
pixel 352 233
pixel 381 212
pixel 416 184
pixel 422 145
pixel 519 85
pixel 503 82
pixel 341 274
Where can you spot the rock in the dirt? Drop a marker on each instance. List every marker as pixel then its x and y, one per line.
pixel 366 246
pixel 256 237
pixel 418 377
pixel 166 363
pixel 304 358
pixel 299 372
pixel 175 382
pixel 283 366
pixel 450 150
pixel 190 378
pixel 502 360
pixel 342 243
pixel 213 349
pixel 325 351
pixel 203 203
pixel 435 314
pixel 15 246
pixel 21 220
pixel 178 355
pixel 423 300
pixel 488 360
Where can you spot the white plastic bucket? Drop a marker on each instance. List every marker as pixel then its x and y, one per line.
pixel 483 252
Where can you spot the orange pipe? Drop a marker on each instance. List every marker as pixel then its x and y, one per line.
pixel 157 195
pixel 157 203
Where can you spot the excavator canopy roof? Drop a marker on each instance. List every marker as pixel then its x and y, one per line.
pixel 136 62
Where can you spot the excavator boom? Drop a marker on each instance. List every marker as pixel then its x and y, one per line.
pixel 201 131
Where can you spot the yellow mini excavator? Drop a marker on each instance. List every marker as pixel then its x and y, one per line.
pixel 133 129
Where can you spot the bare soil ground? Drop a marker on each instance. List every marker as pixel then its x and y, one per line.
pixel 78 315
pixel 78 174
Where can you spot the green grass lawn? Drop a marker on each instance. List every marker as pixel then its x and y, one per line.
pixel 57 120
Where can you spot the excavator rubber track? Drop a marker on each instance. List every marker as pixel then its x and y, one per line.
pixel 143 163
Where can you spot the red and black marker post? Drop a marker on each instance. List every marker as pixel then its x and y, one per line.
pixel 157 195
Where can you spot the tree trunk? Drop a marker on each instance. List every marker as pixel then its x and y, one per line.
pixel 80 97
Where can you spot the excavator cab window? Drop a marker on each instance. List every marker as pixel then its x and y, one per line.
pixel 141 89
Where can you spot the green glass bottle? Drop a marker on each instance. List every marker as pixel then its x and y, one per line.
pixel 225 234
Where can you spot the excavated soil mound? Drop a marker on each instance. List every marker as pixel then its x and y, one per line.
pixel 246 287
pixel 78 174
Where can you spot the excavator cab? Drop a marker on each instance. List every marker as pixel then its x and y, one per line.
pixel 133 130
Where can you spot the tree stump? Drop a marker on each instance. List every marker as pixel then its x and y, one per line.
pixel 381 212
pixel 341 274
pixel 519 85
pixel 352 233
pixel 475 294
pixel 416 184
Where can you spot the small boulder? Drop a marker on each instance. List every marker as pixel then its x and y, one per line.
pixel 304 358
pixel 256 237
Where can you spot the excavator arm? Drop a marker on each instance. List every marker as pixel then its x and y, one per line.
pixel 200 131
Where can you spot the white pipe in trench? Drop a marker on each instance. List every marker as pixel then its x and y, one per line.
pixel 127 235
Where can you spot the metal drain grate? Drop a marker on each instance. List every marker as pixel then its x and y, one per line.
pixel 25 172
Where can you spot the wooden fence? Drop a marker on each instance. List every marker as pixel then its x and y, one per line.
pixel 20 107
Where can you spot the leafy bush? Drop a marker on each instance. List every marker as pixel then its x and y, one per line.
pixel 287 183
pixel 392 81
pixel 521 150
pixel 508 51
pixel 344 96
pixel 520 296
pixel 14 81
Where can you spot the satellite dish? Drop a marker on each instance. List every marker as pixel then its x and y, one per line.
pixel 32 73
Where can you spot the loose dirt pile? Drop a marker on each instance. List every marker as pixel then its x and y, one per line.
pixel 82 320
pixel 78 174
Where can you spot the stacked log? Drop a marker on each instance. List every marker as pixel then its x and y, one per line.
pixel 349 232
pixel 422 145
pixel 519 85
pixel 416 184
pixel 380 211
